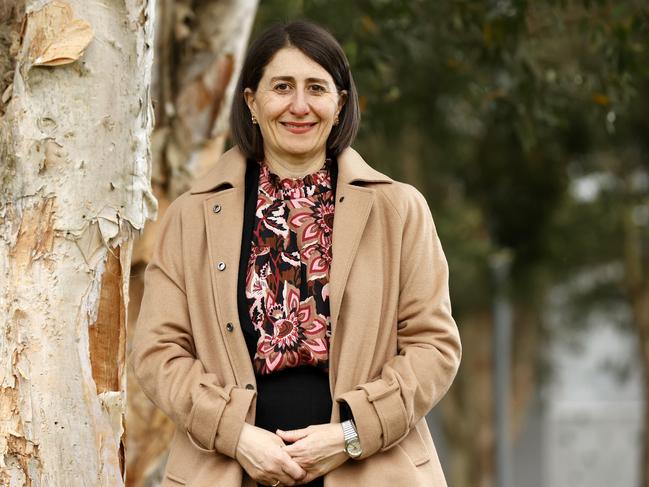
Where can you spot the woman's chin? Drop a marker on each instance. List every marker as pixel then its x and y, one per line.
pixel 299 151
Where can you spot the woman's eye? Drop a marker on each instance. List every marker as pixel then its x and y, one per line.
pixel 318 88
pixel 282 87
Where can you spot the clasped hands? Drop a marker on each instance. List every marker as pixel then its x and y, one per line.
pixel 291 457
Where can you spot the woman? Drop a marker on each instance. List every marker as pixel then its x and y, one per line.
pixel 296 323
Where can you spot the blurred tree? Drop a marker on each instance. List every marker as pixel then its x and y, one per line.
pixel 604 223
pixel 496 110
pixel 199 51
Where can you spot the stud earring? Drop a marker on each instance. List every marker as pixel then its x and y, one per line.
pixel 254 120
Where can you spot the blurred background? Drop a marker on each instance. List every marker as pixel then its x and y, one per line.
pixel 525 125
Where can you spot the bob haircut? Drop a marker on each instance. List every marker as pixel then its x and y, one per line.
pixel 319 45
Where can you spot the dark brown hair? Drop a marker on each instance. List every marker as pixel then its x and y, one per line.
pixel 319 45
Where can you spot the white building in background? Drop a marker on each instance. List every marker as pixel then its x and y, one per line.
pixel 594 411
pixel 585 427
pixel 586 430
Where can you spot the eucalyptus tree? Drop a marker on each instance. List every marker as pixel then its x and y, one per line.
pixel 75 120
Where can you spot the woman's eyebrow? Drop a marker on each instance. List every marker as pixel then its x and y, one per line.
pixel 292 79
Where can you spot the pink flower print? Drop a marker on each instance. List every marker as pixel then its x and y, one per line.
pixel 317 260
pixel 298 334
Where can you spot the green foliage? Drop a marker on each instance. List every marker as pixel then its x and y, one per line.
pixel 503 106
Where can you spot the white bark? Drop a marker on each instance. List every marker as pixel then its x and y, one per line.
pixel 74 192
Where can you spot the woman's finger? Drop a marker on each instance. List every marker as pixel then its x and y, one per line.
pixel 293 435
pixel 284 479
pixel 269 477
pixel 291 468
pixel 294 449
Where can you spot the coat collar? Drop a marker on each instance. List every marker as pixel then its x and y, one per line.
pixel 230 170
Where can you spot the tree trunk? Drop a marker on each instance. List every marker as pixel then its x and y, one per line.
pixel 637 290
pixel 74 191
pixel 468 410
pixel 641 318
pixel 199 52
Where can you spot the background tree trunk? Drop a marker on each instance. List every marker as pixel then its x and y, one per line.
pixel 199 52
pixel 637 291
pixel 74 191
pixel 468 409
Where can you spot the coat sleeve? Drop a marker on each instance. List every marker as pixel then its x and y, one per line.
pixel 428 342
pixel 163 355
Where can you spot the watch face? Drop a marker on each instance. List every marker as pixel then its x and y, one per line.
pixel 353 448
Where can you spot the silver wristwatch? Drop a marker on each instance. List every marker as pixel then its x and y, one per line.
pixel 352 442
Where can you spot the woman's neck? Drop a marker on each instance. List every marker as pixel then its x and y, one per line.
pixel 287 168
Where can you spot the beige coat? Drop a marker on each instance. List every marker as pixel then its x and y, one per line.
pixel 394 349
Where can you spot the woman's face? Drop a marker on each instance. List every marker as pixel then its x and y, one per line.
pixel 295 104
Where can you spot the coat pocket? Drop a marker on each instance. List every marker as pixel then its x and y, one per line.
pixel 413 445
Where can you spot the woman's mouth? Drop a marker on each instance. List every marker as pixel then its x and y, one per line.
pixel 298 127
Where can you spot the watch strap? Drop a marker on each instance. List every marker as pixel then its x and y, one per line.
pixel 349 430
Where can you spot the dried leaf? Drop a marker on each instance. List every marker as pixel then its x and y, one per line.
pixel 57 37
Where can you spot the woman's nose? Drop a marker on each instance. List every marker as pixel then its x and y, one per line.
pixel 299 104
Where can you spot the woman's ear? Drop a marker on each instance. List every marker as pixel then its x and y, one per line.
pixel 249 96
pixel 342 99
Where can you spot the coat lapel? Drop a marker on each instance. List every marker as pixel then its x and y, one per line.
pixel 353 206
pixel 223 213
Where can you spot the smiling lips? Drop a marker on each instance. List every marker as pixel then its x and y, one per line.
pixel 298 127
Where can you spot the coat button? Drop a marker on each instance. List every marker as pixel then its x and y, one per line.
pixel 250 387
pixel 216 208
pixel 229 327
pixel 221 266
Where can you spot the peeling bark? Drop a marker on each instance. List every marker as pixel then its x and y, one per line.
pixel 199 52
pixel 35 235
pixel 74 192
pixel 108 333
pixel 11 19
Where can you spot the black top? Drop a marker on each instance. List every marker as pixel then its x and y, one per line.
pixel 292 398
